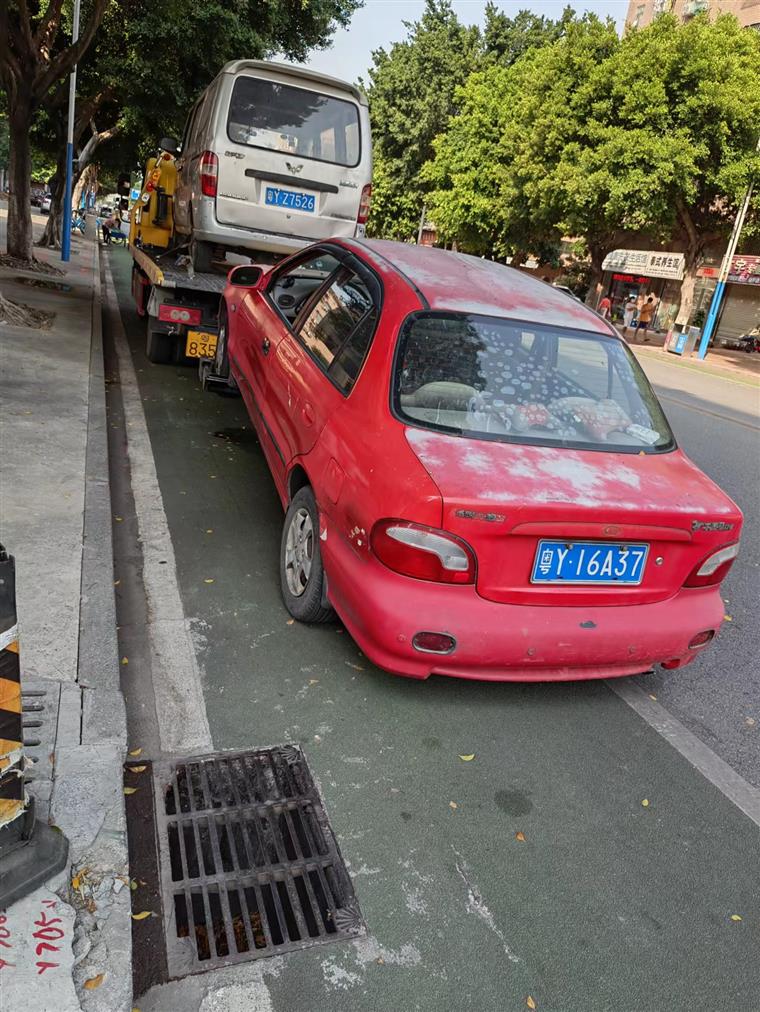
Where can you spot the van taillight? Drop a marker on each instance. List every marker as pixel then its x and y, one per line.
pixel 209 173
pixel 364 204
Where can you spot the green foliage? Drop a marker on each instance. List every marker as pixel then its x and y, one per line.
pixel 506 39
pixel 411 92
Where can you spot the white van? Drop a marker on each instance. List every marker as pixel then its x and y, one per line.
pixel 272 158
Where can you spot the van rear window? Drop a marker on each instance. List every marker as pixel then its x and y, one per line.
pixel 295 121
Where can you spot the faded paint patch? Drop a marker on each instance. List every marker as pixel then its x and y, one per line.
pixel 476 905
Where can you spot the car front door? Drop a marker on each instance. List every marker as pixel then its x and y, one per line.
pixel 318 361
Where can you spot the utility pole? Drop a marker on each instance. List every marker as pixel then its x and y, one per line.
pixel 725 268
pixel 66 227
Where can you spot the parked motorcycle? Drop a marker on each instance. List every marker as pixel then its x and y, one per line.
pixel 744 342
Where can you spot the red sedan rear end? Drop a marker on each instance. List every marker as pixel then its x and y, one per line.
pixel 477 475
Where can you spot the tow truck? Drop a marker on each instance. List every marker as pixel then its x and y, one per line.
pixel 181 306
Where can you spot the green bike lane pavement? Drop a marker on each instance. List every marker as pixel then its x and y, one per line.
pixel 606 904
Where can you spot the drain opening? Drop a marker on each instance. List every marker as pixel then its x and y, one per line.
pixel 249 864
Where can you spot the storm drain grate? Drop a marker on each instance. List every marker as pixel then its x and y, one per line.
pixel 249 864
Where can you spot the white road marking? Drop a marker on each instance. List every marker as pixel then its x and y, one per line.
pixel 180 706
pixel 730 783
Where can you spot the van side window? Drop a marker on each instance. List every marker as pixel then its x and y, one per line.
pixel 338 330
pixel 189 126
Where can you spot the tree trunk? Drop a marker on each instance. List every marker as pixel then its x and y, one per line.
pixel 19 238
pixel 691 263
pixel 51 237
pixel 594 293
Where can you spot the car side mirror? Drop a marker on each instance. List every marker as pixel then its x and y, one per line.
pixel 245 276
pixel 169 144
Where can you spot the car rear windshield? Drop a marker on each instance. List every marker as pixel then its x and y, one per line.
pixel 490 378
pixel 295 121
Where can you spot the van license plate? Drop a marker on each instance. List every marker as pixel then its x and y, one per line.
pixel 199 344
pixel 276 197
pixel 588 562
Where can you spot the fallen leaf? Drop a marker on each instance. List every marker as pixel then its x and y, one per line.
pixel 736 917
pixel 75 882
pixel 210 530
pixel 453 804
pixel 118 519
pixel 142 915
pixel 131 790
pixel 116 583
pixel 520 836
pixel 467 758
pixel 750 721
pixel 208 581
pixel 530 1002
pixel 93 982
pixel 136 752
pixel 358 667
pixel 137 769
pixel 133 885
pixel 313 681
pixel 125 660
pixel 727 618
pixel 645 802
pixel 380 961
pixel 652 696
pixel 290 621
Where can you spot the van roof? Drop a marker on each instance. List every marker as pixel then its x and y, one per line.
pixel 288 68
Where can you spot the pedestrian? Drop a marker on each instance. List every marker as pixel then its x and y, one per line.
pixel 604 307
pixel 629 311
pixel 645 316
pixel 112 222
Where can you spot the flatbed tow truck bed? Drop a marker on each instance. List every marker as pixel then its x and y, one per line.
pixel 180 305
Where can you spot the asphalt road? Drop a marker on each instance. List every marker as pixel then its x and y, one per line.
pixel 607 903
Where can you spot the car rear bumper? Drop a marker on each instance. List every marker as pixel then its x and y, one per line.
pixel 504 642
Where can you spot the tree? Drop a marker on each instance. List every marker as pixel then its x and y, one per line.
pixel 497 188
pixel 33 59
pixel 506 39
pixel 672 144
pixel 411 92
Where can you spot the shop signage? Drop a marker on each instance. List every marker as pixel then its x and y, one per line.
pixel 655 263
pixel 631 279
pixel 744 270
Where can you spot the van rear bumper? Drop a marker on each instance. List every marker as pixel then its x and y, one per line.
pixel 208 229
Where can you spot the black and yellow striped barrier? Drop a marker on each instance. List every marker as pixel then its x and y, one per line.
pixel 30 851
pixel 11 720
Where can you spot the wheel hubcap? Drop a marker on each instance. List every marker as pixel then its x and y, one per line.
pixel 299 552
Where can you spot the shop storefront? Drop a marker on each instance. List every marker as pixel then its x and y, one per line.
pixel 633 272
pixel 741 307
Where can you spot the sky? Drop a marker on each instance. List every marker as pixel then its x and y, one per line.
pixel 380 23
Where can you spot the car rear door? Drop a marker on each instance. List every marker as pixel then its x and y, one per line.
pixel 293 159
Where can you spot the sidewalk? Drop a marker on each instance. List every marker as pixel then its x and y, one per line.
pixel 745 367
pixel 55 518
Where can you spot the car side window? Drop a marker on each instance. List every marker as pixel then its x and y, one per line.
pixel 338 330
pixel 291 288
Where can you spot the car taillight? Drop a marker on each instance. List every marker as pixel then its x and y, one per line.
pixel 364 205
pixel 178 314
pixel 423 552
pixel 209 173
pixel 714 568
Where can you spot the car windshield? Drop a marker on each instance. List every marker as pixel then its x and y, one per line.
pixel 295 121
pixel 491 378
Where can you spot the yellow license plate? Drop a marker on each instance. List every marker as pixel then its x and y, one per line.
pixel 200 344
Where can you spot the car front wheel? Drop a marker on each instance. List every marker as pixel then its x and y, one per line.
pixel 302 577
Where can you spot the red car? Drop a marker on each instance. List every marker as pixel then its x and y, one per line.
pixel 478 477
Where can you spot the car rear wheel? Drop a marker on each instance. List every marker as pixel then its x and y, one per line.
pixel 302 577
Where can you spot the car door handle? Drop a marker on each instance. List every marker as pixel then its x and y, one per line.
pixel 265 345
pixel 307 413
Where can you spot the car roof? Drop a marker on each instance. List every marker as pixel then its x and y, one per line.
pixel 468 284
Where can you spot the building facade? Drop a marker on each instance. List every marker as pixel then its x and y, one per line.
pixel 642 12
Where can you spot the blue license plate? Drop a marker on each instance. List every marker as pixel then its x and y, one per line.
pixel 588 562
pixel 276 197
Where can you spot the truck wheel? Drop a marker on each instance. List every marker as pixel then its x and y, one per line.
pixel 158 347
pixel 221 359
pixel 202 255
pixel 301 574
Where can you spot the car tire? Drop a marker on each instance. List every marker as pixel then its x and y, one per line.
pixel 302 577
pixel 202 256
pixel 159 347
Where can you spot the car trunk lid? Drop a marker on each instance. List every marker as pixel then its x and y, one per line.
pixel 505 498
